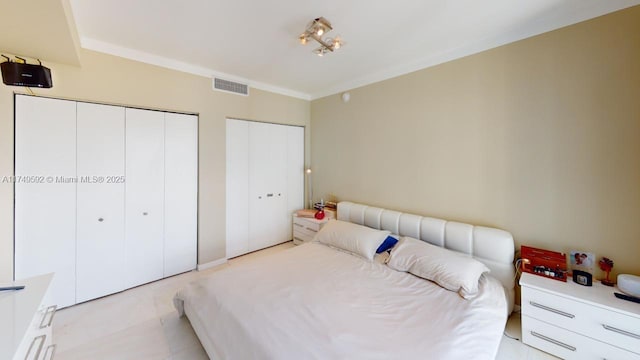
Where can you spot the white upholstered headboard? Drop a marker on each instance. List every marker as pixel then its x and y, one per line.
pixel 493 247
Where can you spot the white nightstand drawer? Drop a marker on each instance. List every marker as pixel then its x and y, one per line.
pixel 590 320
pixel 302 236
pixel 304 228
pixel 567 344
pixel 308 224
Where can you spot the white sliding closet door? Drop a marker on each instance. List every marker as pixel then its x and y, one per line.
pixel 100 200
pixel 295 173
pixel 144 210
pixel 267 185
pixel 180 193
pixel 237 203
pixel 45 203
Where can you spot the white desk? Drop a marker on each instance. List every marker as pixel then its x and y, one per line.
pixel 25 321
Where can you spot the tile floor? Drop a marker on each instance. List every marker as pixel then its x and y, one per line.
pixel 141 323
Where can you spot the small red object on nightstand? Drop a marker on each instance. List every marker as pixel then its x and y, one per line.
pixel 319 215
pixel 606 265
pixel 549 264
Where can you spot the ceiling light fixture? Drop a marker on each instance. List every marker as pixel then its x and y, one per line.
pixel 315 30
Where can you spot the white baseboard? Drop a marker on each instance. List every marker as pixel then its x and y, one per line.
pixel 211 264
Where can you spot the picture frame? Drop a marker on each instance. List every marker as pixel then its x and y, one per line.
pixel 582 261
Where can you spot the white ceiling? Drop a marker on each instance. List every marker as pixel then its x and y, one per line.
pixel 256 40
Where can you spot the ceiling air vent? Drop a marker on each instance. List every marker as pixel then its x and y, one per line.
pixel 230 86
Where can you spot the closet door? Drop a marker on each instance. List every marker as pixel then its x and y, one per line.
pixel 45 193
pixel 295 173
pixel 180 193
pixel 237 202
pixel 144 196
pixel 100 201
pixel 267 185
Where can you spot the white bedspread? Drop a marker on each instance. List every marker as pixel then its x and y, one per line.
pixel 315 302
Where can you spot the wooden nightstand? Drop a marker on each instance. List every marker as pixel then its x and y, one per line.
pixel 578 322
pixel 304 229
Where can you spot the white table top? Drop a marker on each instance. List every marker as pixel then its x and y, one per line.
pixel 17 309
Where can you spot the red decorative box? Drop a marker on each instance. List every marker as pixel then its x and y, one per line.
pixel 549 264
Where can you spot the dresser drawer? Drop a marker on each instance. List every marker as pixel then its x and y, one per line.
pixel 305 231
pixel 37 342
pixel 597 322
pixel 308 225
pixel 299 237
pixel 567 344
pixel 614 328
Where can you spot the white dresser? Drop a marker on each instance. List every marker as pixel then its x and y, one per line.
pixel 304 229
pixel 25 329
pixel 578 322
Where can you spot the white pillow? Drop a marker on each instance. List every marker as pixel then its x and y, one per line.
pixel 354 238
pixel 452 271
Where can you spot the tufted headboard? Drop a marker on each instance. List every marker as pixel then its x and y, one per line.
pixel 493 247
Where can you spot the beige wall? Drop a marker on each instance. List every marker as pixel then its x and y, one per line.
pixel 109 79
pixel 540 137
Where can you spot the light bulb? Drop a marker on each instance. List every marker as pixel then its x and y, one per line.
pixel 320 32
pixel 303 40
pixel 308 171
pixel 320 53
pixel 336 44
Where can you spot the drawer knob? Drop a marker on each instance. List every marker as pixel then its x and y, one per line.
pixel 555 311
pixel 553 341
pixel 620 331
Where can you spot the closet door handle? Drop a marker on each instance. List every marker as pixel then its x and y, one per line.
pixel 269 195
pixel 100 219
pixel 50 310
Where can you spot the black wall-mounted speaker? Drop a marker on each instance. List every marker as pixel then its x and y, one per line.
pixel 30 75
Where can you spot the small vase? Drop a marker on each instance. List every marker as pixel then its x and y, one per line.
pixel 606 280
pixel 319 214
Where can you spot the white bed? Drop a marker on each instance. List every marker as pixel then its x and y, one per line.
pixel 316 302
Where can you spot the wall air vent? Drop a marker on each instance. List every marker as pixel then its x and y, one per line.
pixel 230 86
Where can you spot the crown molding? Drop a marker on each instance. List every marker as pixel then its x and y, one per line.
pixel 165 62
pixel 544 25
